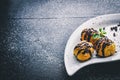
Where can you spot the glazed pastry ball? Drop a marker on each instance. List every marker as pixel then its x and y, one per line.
pixel 83 51
pixel 105 47
pixel 87 35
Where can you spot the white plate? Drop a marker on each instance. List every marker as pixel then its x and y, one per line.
pixel 71 64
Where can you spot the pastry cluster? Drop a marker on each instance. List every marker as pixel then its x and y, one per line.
pixel 92 40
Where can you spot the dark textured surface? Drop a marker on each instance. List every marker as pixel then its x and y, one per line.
pixel 33 35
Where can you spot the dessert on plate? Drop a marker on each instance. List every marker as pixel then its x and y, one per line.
pixel 83 51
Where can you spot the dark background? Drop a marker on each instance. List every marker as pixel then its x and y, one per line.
pixel 33 35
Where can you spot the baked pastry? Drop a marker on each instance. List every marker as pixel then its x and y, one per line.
pixel 87 34
pixel 105 47
pixel 83 51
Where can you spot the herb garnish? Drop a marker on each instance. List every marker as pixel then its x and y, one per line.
pixel 100 34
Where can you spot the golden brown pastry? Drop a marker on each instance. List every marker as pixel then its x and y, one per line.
pixel 87 34
pixel 83 51
pixel 105 47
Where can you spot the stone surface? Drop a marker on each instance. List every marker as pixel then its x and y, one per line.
pixel 33 35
